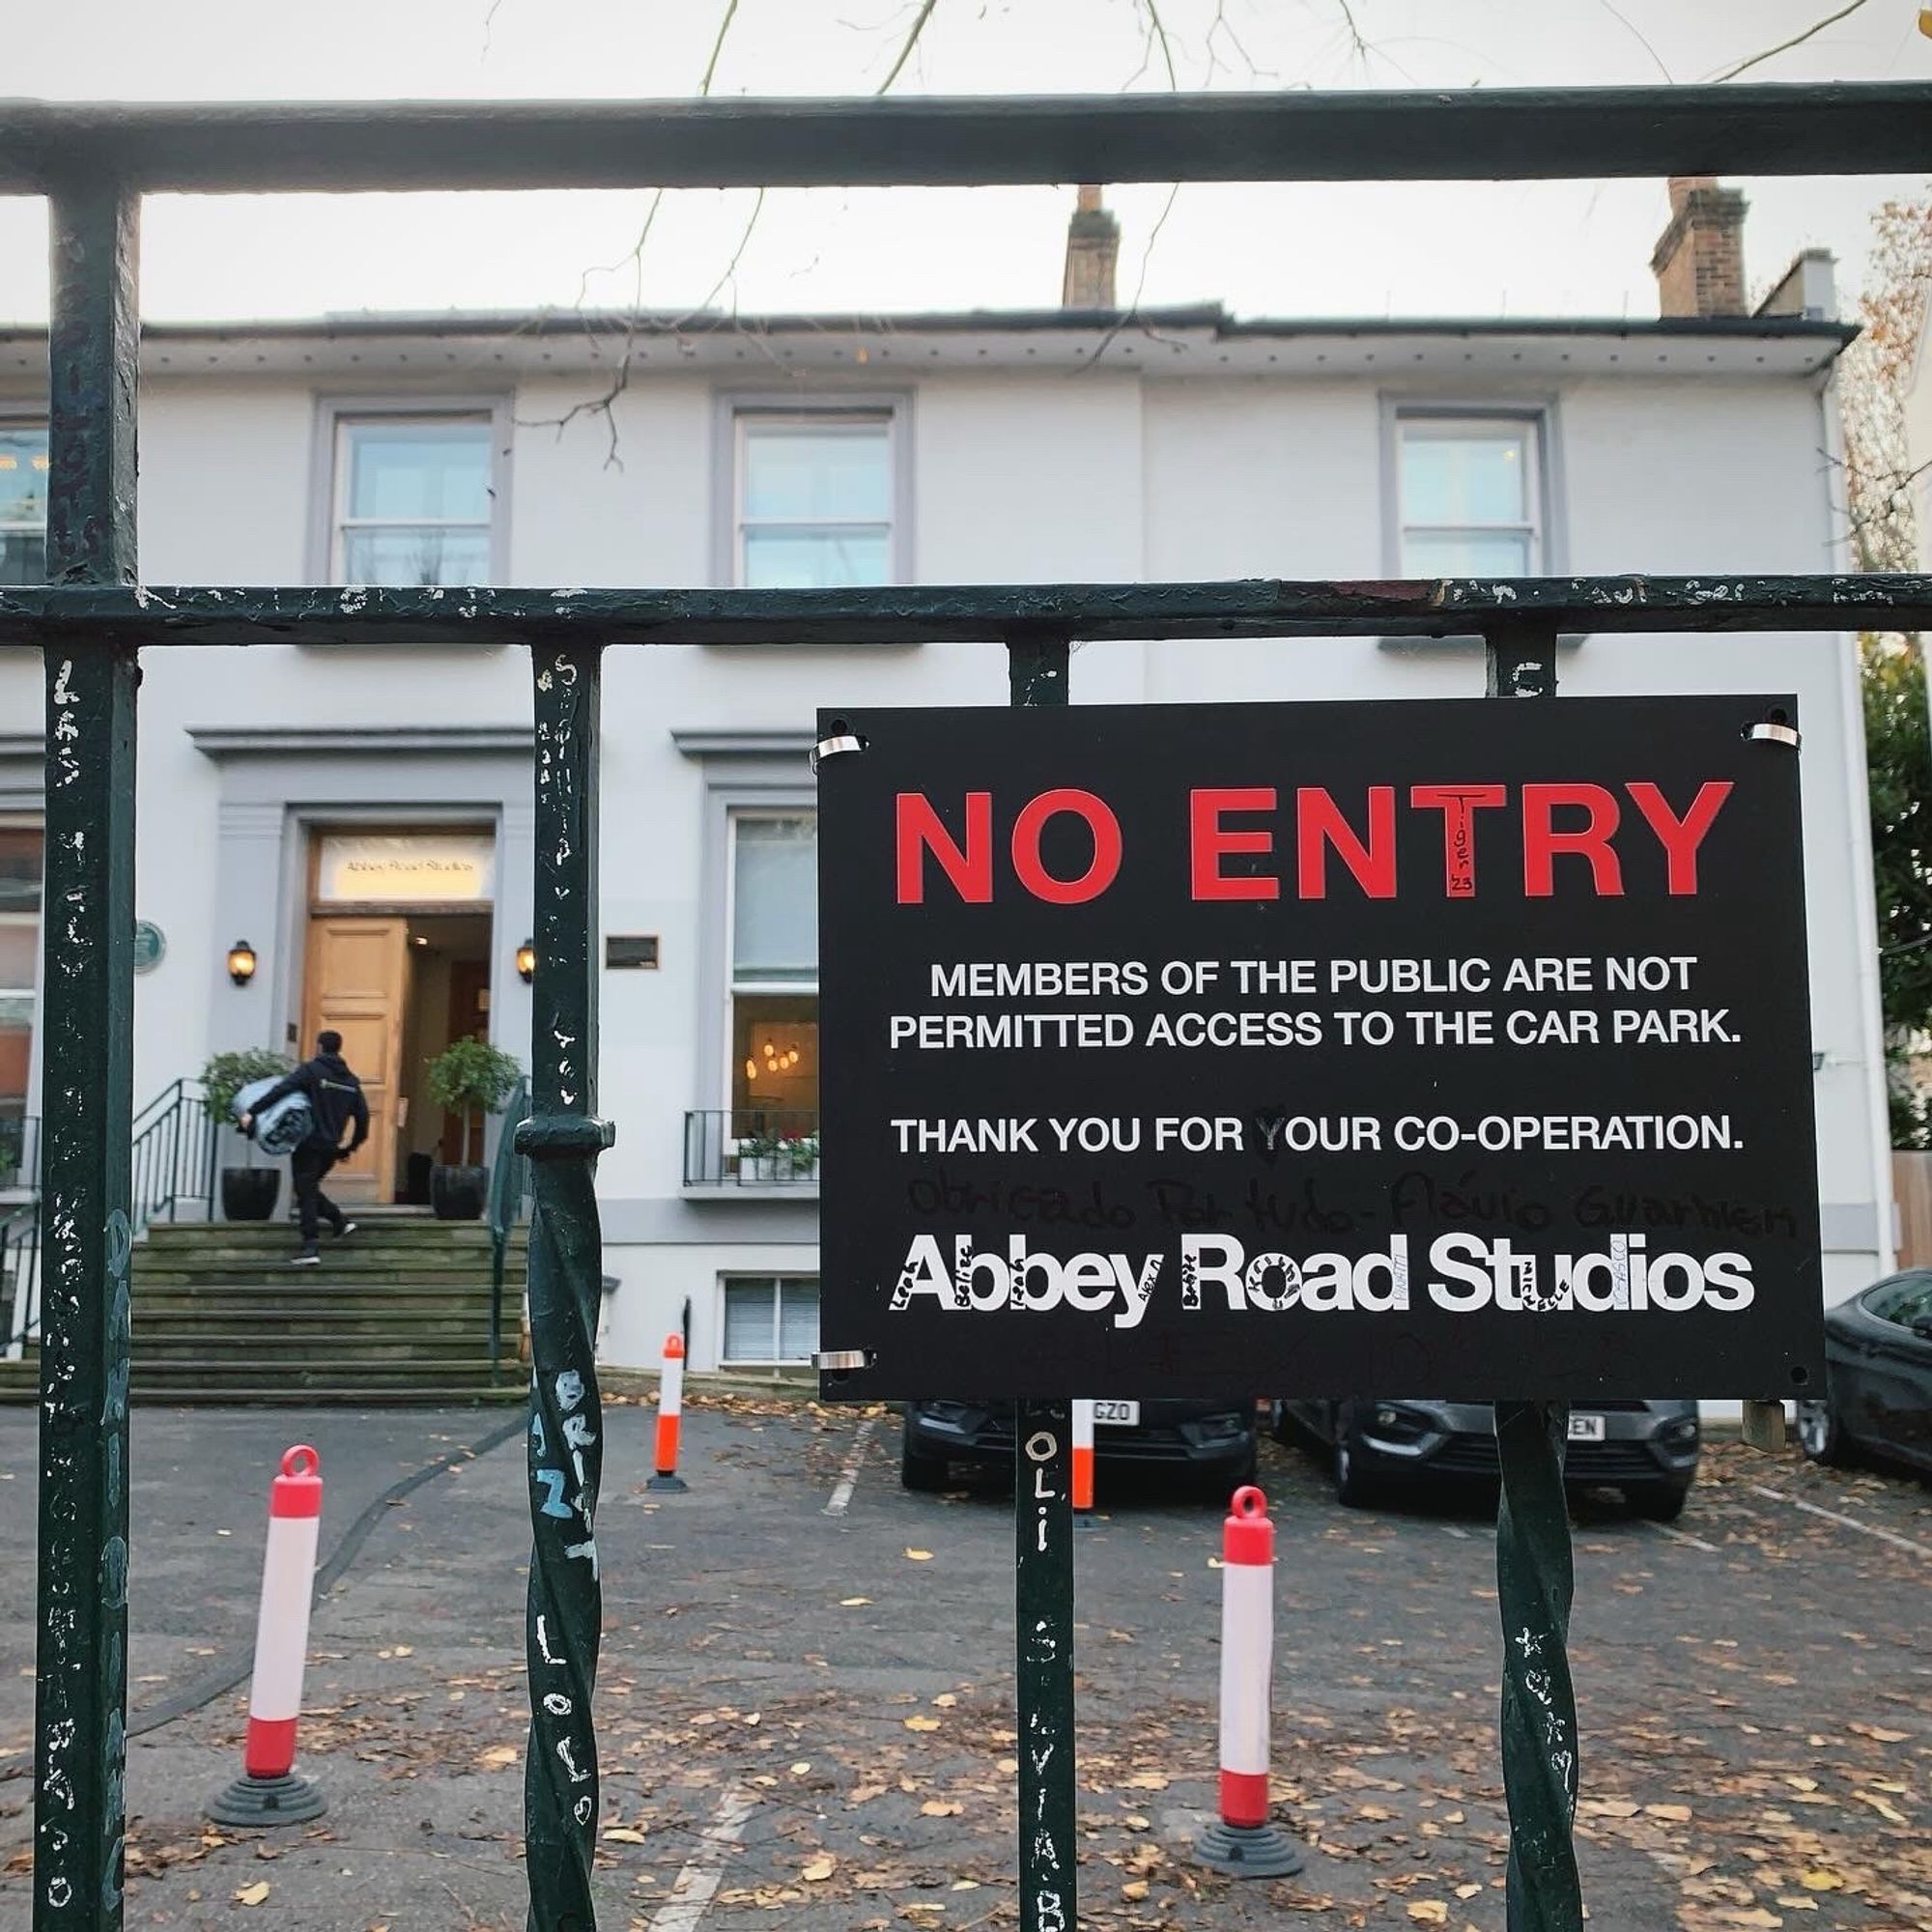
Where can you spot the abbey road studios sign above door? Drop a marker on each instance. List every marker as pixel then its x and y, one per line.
pixel 1459 1048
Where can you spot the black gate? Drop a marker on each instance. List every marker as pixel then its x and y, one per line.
pixel 93 619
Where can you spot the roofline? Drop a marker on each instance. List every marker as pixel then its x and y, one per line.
pixel 1209 318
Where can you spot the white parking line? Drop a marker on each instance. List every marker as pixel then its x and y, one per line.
pixel 1685 1535
pixel 848 1476
pixel 1849 1521
pixel 697 1883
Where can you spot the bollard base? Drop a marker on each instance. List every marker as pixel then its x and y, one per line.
pixel 1248 1851
pixel 665 1481
pixel 1084 1520
pixel 287 1800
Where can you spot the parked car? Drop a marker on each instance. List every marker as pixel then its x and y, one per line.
pixel 1646 1449
pixel 1218 1440
pixel 1878 1376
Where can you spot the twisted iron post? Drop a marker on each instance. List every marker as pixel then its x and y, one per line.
pixel 1535 1577
pixel 80 1700
pixel 563 1138
pixel 1535 1572
pixel 1043 1542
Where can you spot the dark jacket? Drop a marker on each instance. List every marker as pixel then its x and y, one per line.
pixel 334 1099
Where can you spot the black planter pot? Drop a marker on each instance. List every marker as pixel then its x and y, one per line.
pixel 457 1193
pixel 249 1193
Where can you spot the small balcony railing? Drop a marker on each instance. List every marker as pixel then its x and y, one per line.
pixel 750 1147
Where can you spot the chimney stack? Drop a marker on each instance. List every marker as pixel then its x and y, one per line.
pixel 1699 260
pixel 1093 249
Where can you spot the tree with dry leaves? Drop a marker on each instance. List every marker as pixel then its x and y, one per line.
pixel 1880 479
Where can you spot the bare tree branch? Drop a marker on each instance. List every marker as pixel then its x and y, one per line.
pixel 1637 33
pixel 717 47
pixel 1811 33
pixel 1360 46
pixel 1157 35
pixel 907 46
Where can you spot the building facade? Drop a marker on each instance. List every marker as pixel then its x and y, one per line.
pixel 361 819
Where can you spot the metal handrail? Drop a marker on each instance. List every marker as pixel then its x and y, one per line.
pixel 20 1278
pixel 176 1143
pixel 508 1203
pixel 20 1151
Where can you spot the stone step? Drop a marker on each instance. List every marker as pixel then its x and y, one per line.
pixel 257 1353
pixel 285 1276
pixel 248 1237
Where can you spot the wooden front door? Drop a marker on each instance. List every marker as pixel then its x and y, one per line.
pixel 356 982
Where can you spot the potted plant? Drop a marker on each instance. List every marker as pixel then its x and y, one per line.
pixel 249 1193
pixel 772 1159
pixel 798 1156
pixel 468 1077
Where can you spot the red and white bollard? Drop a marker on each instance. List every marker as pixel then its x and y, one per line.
pixel 1083 1464
pixel 1242 1840
pixel 670 1411
pixel 269 1792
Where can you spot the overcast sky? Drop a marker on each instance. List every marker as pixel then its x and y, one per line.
pixel 1413 249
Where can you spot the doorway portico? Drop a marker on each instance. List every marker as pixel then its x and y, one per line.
pixel 368 882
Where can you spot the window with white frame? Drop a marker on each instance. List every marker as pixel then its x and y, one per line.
pixel 23 502
pixel 770 1319
pixel 21 844
pixel 1469 494
pixel 812 499
pixel 774 972
pixel 413 498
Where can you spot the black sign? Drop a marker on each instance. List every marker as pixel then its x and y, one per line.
pixel 1457 1049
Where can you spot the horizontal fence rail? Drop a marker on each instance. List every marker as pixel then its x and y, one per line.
pixel 154 615
pixel 1461 134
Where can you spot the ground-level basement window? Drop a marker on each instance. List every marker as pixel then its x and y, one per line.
pixel 770 1319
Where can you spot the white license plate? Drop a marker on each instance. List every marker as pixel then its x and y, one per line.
pixel 1122 1414
pixel 1586 1428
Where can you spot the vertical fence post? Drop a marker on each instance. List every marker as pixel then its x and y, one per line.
pixel 1535 1573
pixel 88 974
pixel 1043 1540
pixel 563 1138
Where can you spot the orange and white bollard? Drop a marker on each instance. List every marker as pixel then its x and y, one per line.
pixel 269 1792
pixel 1083 1464
pixel 670 1413
pixel 1242 1840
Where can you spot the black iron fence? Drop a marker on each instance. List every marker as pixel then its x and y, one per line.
pixel 750 1146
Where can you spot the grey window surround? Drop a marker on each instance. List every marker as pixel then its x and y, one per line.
pixel 331 407
pixel 1540 407
pixel 753 769
pixel 278 782
pixel 825 397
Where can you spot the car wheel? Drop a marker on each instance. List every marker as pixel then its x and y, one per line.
pixel 1658 1502
pixel 1354 1489
pixel 1819 1434
pixel 917 1469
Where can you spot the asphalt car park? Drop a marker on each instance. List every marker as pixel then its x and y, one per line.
pixel 806 1703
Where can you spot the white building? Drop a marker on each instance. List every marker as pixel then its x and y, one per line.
pixel 364 818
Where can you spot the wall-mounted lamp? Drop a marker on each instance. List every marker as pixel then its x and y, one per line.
pixel 241 962
pixel 527 961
